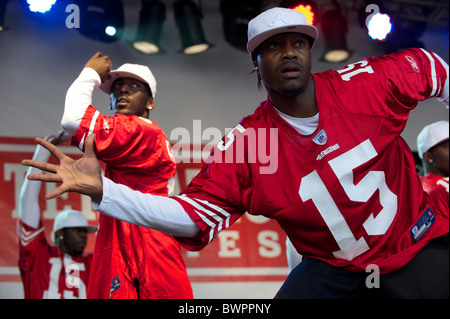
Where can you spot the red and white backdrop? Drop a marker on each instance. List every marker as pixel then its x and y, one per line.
pixel 248 260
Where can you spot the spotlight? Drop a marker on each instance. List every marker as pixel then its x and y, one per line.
pixel 187 17
pixel 334 29
pixel 3 4
pixel 236 15
pixel 151 19
pixel 111 31
pixel 41 6
pixel 308 8
pixel 101 20
pixel 379 26
pixel 395 30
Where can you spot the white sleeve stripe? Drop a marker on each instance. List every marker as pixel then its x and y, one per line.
pixel 80 146
pixel 214 207
pixel 199 207
pixel 445 91
pixel 211 235
pixel 221 222
pixel 27 237
pixel 227 215
pixel 205 219
pixel 94 119
pixel 433 73
pixel 210 224
pixel 91 129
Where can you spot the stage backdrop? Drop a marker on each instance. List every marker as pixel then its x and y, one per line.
pixel 248 260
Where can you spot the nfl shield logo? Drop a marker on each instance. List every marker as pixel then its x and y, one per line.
pixel 115 284
pixel 320 138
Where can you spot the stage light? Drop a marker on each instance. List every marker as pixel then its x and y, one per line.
pixel 308 8
pixel 101 20
pixel 41 6
pixel 334 29
pixel 151 19
pixel 3 4
pixel 389 25
pixel 111 31
pixel 236 15
pixel 379 26
pixel 188 19
pixel 307 11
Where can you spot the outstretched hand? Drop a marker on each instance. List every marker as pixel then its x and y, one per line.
pixel 82 175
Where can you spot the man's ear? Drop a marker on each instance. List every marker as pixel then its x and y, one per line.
pixel 428 157
pixel 255 65
pixel 58 235
pixel 150 104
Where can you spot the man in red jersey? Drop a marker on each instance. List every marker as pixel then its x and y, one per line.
pixel 51 272
pixel 343 183
pixel 432 146
pixel 137 153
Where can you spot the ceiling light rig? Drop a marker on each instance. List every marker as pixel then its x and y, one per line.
pixel 396 26
pixel 151 20
pixel 236 14
pixel 188 20
pixel 101 20
pixel 3 4
pixel 334 29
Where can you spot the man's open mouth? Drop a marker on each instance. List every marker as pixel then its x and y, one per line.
pixel 290 69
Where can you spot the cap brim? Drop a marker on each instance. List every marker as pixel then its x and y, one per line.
pixel 114 75
pixel 444 139
pixel 91 229
pixel 308 30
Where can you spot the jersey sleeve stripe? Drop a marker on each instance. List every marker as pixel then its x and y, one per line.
pixel 209 223
pixel 94 119
pixel 213 207
pixel 433 73
pixel 443 95
pixel 213 216
pixel 216 218
pixel 27 237
pixel 91 129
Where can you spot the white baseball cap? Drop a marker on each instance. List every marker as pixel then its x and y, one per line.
pixel 134 71
pixel 72 219
pixel 431 135
pixel 275 21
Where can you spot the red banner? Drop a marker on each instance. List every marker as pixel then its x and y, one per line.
pixel 253 249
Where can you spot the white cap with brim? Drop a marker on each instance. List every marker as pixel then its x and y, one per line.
pixel 275 21
pixel 72 219
pixel 431 135
pixel 134 71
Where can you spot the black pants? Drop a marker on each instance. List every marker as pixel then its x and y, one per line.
pixel 426 276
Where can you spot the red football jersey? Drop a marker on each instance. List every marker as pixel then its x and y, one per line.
pixel 137 154
pixel 48 273
pixel 437 187
pixel 432 181
pixel 348 193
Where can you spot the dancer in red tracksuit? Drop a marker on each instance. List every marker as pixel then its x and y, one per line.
pixel 129 261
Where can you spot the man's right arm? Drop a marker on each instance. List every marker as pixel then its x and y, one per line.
pixel 78 99
pixel 156 212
